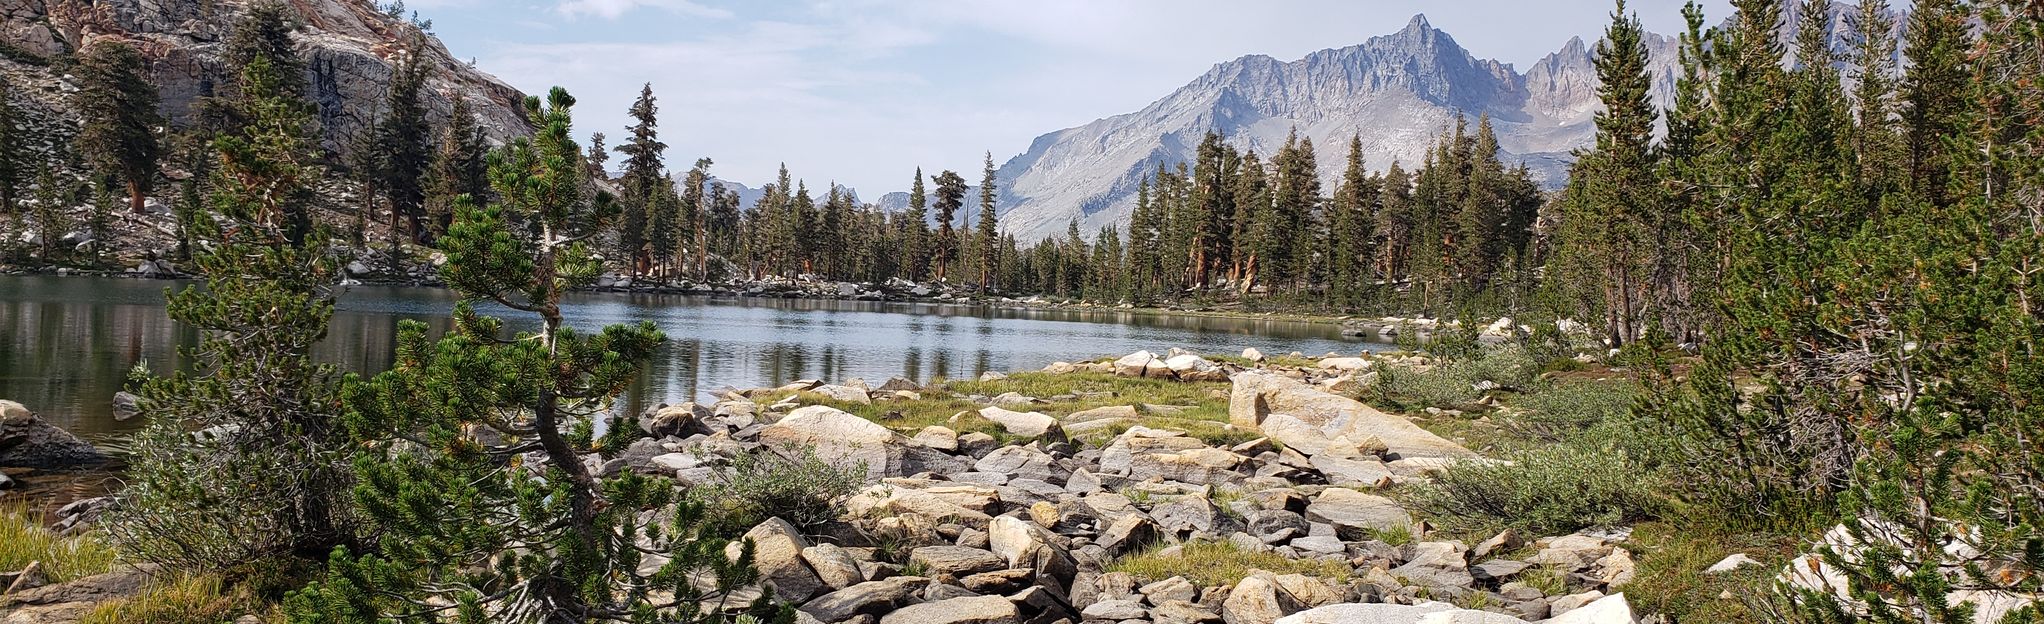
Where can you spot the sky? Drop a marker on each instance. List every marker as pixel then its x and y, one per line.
pixel 861 92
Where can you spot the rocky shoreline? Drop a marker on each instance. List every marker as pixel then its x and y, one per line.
pixel 1007 513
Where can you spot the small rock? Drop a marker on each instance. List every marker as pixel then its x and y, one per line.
pixel 1733 562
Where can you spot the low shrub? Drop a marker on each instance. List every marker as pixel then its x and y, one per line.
pixel 1454 383
pixel 1565 411
pixel 1547 491
pixel 803 489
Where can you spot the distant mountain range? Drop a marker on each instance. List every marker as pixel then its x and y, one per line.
pixel 1399 92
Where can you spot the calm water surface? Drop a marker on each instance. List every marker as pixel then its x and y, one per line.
pixel 66 343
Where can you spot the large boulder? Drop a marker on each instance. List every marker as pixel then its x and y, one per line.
pixel 1355 514
pixel 1257 395
pixel 844 439
pixel 1025 424
pixel 956 561
pixel 967 610
pixel 27 441
pixel 777 553
pixel 1612 609
pixel 871 597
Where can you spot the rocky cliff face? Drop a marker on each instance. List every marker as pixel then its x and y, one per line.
pixel 348 45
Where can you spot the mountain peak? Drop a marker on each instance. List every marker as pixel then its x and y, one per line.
pixel 1418 23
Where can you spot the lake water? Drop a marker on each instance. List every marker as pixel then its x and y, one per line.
pixel 66 343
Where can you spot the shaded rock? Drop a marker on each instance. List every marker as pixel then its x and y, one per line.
pixel 1115 610
pixel 1267 523
pixel 1128 532
pixel 1253 355
pixel 126 405
pixel 1190 513
pixel 871 597
pixel 27 441
pixel 679 421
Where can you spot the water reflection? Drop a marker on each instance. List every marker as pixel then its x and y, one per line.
pixel 66 343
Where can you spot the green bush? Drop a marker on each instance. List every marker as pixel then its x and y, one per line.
pixel 1547 491
pixel 1453 383
pixel 804 489
pixel 1566 411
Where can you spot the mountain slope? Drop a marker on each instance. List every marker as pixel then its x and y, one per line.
pixel 348 46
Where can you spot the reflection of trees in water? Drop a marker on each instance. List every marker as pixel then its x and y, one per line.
pixel 67 343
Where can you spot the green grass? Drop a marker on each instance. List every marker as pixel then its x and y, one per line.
pixel 1208 564
pixel 1205 416
pixel 202 599
pixel 1672 558
pixel 24 539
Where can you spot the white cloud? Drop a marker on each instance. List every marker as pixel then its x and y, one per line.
pixel 613 9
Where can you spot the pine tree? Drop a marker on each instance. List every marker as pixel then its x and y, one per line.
pixel 598 160
pixel 643 172
pixel 698 216
pixel 403 152
pixel 916 231
pixel 268 477
pixel 1253 205
pixel 950 198
pixel 459 167
pixel 1612 221
pixel 118 101
pixel 1877 142
pixel 1934 91
pixel 263 31
pixel 50 205
pixel 99 221
pixel 989 231
pixel 1354 208
pixel 561 544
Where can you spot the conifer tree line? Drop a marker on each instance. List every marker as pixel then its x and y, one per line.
pixel 1859 259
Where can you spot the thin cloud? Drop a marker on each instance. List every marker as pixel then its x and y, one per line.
pixel 613 9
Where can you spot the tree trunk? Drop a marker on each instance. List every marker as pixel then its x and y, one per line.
pixel 136 199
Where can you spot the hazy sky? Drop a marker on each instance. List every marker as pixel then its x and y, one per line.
pixel 863 91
